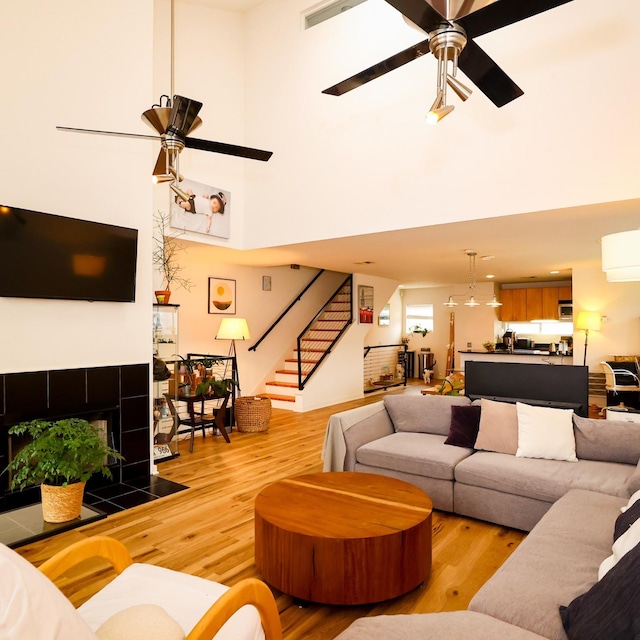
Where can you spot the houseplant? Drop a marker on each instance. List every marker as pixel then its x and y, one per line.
pixel 489 346
pixel 60 457
pixel 165 257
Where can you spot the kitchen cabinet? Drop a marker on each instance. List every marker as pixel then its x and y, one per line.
pixel 565 293
pixel 534 304
pixel 514 305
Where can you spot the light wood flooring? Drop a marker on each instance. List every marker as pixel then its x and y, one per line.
pixel 207 530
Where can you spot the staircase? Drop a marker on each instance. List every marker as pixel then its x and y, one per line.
pixel 315 344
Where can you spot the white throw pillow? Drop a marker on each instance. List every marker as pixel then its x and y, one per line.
pixel 142 622
pixel 544 432
pixel 32 607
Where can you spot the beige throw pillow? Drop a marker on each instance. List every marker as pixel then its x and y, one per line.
pixel 498 427
pixel 141 622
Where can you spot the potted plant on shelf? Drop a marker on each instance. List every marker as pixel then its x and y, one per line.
pixel 165 257
pixel 489 346
pixel 217 387
pixel 61 457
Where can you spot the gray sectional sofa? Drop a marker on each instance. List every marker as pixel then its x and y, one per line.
pixel 404 437
pixel 569 507
pixel 557 562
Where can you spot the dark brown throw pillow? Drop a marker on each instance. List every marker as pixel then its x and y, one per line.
pixel 611 608
pixel 465 422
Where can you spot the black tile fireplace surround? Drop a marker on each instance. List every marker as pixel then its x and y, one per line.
pixel 118 393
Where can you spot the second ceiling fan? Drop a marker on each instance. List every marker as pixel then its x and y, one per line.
pixel 451 26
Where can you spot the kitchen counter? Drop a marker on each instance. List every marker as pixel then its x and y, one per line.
pixel 531 356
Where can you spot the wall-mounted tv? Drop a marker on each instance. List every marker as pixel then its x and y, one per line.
pixel 50 256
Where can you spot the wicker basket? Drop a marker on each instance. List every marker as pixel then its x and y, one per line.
pixel 252 414
pixel 61 504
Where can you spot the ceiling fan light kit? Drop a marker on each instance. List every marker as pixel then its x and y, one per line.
pixel 451 28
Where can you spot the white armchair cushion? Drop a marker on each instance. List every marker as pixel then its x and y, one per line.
pixel 185 598
pixel 32 607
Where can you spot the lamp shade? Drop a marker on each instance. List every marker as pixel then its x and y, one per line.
pixel 621 256
pixel 588 321
pixel 233 329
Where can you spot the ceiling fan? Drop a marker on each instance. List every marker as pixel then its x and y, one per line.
pixel 174 119
pixel 451 26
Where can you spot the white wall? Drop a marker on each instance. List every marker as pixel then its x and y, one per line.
pixel 261 308
pixel 472 324
pixel 367 162
pixel 619 302
pixel 88 64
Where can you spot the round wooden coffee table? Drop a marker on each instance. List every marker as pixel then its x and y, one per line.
pixel 343 538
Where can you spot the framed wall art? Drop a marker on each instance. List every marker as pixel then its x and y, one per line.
pixel 207 211
pixel 222 296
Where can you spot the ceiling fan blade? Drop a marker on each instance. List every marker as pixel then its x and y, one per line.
pixel 379 69
pixel 419 12
pixel 502 13
pixel 228 149
pixel 108 133
pixel 487 75
pixel 183 115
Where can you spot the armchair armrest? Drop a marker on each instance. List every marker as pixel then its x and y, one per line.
pixel 247 592
pixel 95 547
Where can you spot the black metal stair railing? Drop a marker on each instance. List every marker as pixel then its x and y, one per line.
pixel 284 313
pixel 347 322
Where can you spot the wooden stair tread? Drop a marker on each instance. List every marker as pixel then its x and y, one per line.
pixel 290 385
pixel 290 371
pixel 275 396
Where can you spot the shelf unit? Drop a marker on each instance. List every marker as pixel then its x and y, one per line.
pixel 165 347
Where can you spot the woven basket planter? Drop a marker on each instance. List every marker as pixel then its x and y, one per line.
pixel 252 414
pixel 61 504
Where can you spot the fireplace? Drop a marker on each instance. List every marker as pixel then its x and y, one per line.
pixel 117 396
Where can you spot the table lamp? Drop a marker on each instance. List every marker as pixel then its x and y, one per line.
pixel 587 320
pixel 233 329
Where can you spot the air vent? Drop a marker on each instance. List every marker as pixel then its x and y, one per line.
pixel 330 11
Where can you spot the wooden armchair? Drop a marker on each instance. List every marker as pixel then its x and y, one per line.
pixel 217 605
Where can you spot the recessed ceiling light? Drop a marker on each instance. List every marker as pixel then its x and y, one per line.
pixel 490 275
pixel 487 258
pixel 554 272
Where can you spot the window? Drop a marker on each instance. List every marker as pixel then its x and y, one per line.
pixel 418 317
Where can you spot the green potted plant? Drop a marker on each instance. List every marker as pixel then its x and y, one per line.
pixel 489 346
pixel 419 329
pixel 165 257
pixel 60 457
pixel 216 386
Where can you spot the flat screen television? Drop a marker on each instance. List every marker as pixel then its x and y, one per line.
pixel 50 256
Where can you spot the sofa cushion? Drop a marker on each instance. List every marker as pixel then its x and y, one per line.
pixel 453 625
pixel 556 562
pixel 545 480
pixel 465 422
pixel 498 427
pixel 142 622
pixel 423 454
pixel 424 414
pixel 611 608
pixel 544 432
pixel 608 440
